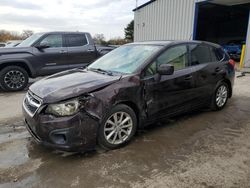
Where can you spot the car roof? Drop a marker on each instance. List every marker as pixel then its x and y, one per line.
pixel 172 42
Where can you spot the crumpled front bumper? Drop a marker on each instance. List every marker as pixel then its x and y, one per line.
pixel 75 133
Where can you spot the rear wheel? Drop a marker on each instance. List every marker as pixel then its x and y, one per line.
pixel 13 78
pixel 220 97
pixel 117 128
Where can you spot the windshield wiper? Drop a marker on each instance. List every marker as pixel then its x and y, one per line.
pixel 110 73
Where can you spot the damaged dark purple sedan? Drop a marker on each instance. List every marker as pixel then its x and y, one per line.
pixel 129 88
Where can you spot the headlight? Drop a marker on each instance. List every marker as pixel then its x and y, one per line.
pixel 67 108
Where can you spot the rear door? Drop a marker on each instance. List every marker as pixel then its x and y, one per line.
pixel 209 68
pixel 169 94
pixel 54 58
pixel 80 52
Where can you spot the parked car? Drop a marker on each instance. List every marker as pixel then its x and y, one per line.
pixel 44 54
pixel 129 88
pixel 234 48
pixel 2 44
pixel 12 43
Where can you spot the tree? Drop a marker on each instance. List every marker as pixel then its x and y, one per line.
pixel 117 41
pixel 9 35
pixel 99 39
pixel 129 32
pixel 26 33
pixel 12 35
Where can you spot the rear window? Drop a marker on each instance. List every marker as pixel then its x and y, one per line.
pixel 200 54
pixel 214 55
pixel 76 40
pixel 220 53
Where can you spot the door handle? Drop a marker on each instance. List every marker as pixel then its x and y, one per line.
pixel 188 77
pixel 63 52
pixel 90 50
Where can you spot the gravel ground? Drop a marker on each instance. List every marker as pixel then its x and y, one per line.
pixel 200 149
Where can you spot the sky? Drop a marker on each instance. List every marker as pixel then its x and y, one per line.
pixel 108 17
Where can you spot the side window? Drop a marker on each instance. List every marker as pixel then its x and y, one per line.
pixel 151 70
pixel 176 56
pixel 54 41
pixel 199 54
pixel 213 54
pixel 76 40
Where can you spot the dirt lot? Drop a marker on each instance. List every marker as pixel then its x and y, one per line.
pixel 202 149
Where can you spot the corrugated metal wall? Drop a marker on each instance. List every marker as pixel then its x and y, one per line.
pixel 170 20
pixel 165 20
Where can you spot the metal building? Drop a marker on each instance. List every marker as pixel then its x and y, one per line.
pixel 218 21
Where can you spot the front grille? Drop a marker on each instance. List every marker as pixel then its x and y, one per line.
pixel 31 103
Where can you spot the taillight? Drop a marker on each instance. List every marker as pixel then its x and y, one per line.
pixel 232 62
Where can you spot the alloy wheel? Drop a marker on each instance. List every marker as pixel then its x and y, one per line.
pixel 221 96
pixel 14 79
pixel 118 128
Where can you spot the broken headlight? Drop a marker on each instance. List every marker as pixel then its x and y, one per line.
pixel 66 108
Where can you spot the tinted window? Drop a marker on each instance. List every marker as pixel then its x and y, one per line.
pixel 200 54
pixel 53 41
pixel 220 54
pixel 76 40
pixel 176 56
pixel 213 54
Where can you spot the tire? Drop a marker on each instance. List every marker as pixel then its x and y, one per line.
pixel 220 97
pixel 121 136
pixel 13 78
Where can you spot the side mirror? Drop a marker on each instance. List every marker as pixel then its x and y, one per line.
pixel 42 45
pixel 165 69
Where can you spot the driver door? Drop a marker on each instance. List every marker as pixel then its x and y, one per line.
pixel 166 95
pixel 54 58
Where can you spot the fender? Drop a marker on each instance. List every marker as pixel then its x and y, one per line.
pixel 17 61
pixel 226 80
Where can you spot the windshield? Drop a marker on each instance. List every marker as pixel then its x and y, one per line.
pixel 30 40
pixel 12 44
pixel 125 59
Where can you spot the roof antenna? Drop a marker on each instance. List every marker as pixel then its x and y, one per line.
pixel 136 3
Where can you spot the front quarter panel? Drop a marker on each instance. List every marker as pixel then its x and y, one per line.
pixel 127 90
pixel 23 56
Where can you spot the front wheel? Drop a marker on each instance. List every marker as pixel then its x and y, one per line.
pixel 117 128
pixel 220 97
pixel 13 78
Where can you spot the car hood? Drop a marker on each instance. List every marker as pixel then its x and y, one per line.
pixel 69 84
pixel 15 50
